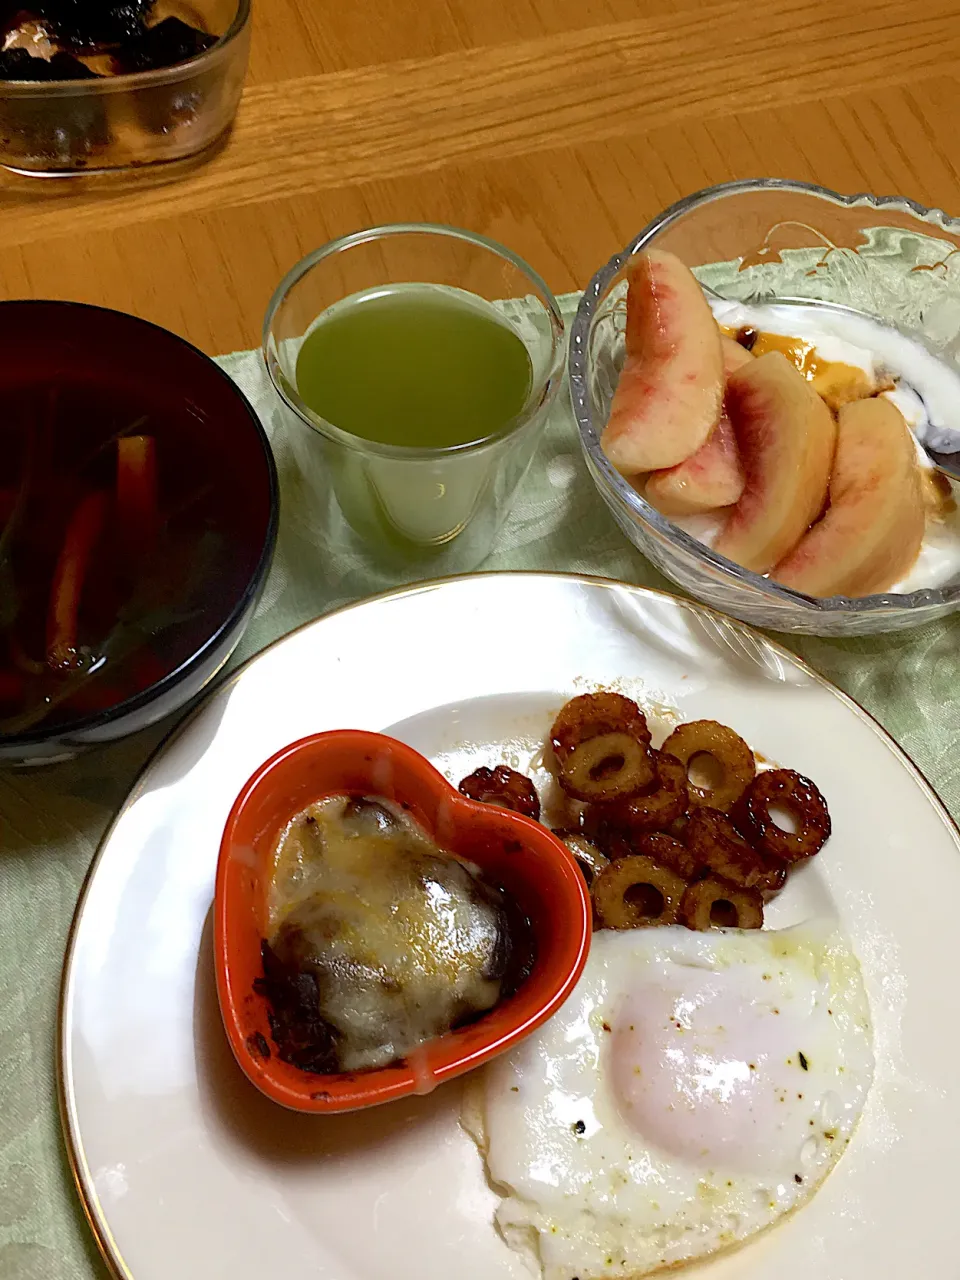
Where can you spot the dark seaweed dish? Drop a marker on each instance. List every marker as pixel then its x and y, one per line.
pixel 380 941
pixel 90 39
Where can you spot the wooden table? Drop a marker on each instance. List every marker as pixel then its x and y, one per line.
pixel 557 126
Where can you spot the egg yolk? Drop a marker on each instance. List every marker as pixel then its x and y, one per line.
pixel 708 1065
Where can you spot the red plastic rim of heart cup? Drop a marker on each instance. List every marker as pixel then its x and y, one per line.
pixel 513 851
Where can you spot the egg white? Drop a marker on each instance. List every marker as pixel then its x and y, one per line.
pixel 695 1088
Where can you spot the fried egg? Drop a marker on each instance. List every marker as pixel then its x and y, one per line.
pixel 694 1089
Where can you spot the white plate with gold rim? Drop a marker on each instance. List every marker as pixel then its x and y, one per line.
pixel 186 1171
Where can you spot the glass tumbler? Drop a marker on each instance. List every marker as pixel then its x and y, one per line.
pixel 410 510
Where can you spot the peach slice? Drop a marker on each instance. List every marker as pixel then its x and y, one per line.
pixel 833 380
pixel 871 533
pixel 670 391
pixel 734 355
pixel 713 476
pixel 786 437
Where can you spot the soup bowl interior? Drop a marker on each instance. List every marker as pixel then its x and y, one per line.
pixel 513 852
pixel 151 628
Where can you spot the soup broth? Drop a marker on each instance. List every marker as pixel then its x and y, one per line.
pixel 113 545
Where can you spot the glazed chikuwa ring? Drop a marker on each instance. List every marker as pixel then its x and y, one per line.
pixel 715 904
pixel 653 810
pixel 801 799
pixel 589 858
pixel 721 847
pixel 633 892
pixel 504 787
pixel 669 853
pixel 592 714
pixel 611 766
pixel 728 749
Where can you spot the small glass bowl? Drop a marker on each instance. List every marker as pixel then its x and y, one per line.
pixel 60 127
pixel 762 241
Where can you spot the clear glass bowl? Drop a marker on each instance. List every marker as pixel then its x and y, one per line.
pixel 761 241
pixel 58 127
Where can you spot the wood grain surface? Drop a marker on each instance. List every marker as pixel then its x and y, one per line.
pixel 557 126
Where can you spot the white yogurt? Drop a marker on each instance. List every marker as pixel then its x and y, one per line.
pixel 927 394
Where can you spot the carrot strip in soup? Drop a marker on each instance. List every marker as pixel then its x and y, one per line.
pixel 83 533
pixel 137 491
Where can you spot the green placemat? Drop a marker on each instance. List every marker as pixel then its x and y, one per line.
pixel 51 821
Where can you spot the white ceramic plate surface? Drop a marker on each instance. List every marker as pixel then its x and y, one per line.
pixel 186 1171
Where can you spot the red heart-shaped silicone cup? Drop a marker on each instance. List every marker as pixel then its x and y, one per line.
pixel 512 851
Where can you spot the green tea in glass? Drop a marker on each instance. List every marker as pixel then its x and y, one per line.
pixel 415 365
pixel 419 363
